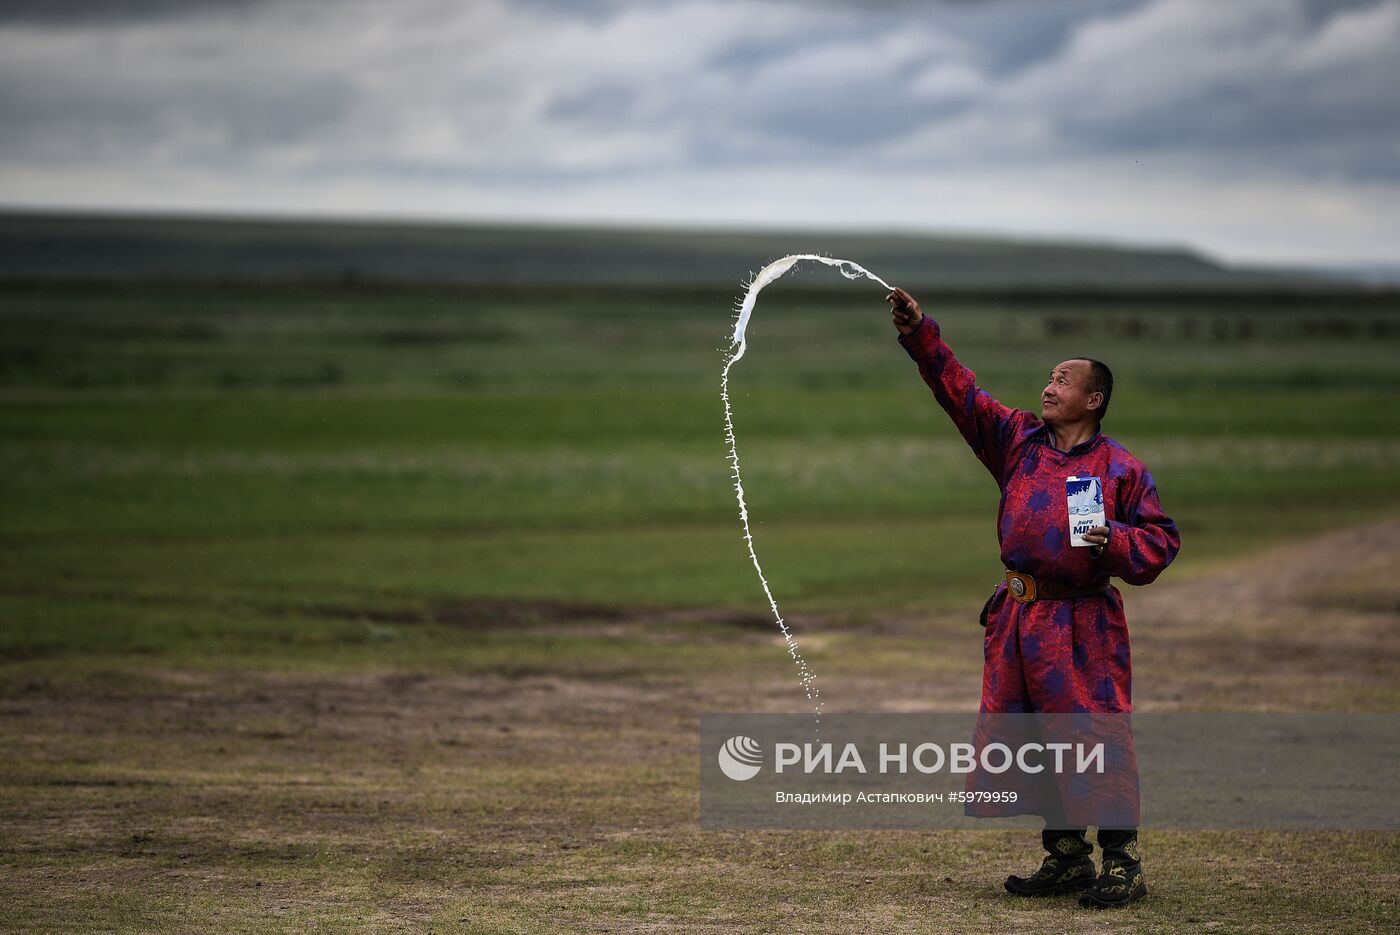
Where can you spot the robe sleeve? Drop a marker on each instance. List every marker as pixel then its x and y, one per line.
pixel 1144 543
pixel 988 427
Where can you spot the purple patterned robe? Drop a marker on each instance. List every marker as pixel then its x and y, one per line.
pixel 1052 656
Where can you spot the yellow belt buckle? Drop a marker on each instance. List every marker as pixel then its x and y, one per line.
pixel 1020 586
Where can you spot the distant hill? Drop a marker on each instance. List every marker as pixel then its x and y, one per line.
pixel 119 247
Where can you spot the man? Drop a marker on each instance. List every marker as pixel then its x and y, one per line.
pixel 1056 638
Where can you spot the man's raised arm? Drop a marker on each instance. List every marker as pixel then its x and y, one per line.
pixel 986 425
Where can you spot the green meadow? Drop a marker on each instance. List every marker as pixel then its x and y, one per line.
pixel 310 593
pixel 396 448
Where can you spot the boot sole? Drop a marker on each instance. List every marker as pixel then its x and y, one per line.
pixel 1091 902
pixel 1073 886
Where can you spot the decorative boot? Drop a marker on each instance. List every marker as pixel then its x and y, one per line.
pixel 1068 868
pixel 1121 881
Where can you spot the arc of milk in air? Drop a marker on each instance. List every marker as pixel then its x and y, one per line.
pixel 738 345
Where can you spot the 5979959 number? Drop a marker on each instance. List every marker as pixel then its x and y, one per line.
pixel 982 796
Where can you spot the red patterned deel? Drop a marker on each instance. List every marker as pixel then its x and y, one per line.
pixel 1052 656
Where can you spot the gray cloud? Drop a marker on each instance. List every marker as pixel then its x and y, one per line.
pixel 1290 87
pixel 655 102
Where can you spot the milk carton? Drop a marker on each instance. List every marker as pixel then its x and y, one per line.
pixel 1084 496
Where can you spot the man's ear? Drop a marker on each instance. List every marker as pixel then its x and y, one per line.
pixel 1095 400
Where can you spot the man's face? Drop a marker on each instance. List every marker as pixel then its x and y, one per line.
pixel 1066 397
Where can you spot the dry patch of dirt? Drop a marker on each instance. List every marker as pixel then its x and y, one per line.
pixel 1309 625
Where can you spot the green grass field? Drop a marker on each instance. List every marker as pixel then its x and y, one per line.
pixel 392 610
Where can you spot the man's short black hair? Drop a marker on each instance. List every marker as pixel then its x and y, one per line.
pixel 1100 381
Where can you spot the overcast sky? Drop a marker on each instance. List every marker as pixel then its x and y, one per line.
pixel 1259 130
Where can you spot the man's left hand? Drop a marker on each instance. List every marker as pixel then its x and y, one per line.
pixel 1097 536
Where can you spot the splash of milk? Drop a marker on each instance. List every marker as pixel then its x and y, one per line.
pixel 738 345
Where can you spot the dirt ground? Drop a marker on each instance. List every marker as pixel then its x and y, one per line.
pixel 209 800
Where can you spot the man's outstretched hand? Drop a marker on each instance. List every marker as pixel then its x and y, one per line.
pixel 905 311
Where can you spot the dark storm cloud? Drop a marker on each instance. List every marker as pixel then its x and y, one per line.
pixel 88 12
pixel 602 105
pixel 1319 11
pixel 1012 34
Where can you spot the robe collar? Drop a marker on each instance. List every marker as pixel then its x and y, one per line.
pixel 1077 449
